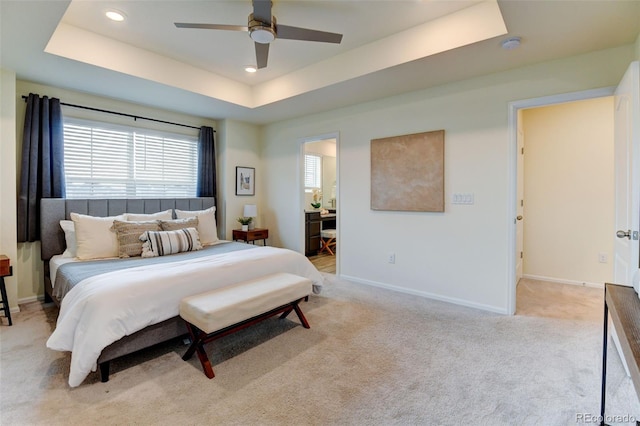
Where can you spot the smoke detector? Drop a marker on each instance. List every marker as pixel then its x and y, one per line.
pixel 511 43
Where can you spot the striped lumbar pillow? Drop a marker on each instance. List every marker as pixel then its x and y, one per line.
pixel 161 243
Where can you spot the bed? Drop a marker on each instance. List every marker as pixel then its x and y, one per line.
pixel 134 301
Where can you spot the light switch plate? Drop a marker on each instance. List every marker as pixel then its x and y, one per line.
pixel 463 198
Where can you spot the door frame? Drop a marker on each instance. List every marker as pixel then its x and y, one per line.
pixel 513 108
pixel 301 225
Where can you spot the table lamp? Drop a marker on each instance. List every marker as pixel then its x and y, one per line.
pixel 250 210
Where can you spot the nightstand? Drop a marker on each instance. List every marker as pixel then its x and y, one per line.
pixel 252 235
pixel 5 271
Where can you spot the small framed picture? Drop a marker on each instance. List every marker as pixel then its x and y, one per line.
pixel 245 181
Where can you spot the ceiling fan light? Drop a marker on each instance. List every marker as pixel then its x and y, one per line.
pixel 262 35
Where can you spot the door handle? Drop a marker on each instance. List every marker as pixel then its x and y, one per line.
pixel 623 234
pixel 519 217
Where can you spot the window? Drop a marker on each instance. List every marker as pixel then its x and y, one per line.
pixel 312 172
pixel 109 161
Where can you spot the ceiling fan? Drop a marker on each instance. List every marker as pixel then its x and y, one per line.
pixel 263 29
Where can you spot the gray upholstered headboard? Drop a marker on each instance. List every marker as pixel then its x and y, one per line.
pixel 53 210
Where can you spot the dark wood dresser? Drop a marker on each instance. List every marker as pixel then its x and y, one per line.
pixel 312 226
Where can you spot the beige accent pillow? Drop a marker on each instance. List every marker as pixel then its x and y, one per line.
pixel 139 217
pixel 206 224
pixel 128 234
pixel 172 225
pixel 94 239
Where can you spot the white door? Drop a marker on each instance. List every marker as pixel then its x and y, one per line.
pixel 627 179
pixel 520 200
pixel 627 165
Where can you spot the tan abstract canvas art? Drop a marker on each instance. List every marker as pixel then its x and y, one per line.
pixel 407 172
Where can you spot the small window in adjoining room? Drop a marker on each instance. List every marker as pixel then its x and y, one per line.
pixel 104 160
pixel 312 172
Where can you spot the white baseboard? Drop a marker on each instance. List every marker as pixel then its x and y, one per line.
pixel 427 295
pixel 563 281
pixel 30 299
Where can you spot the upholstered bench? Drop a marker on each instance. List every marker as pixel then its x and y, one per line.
pixel 217 313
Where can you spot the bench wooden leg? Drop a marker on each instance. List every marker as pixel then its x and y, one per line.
pixel 194 342
pixel 301 316
pixel 197 346
pixel 285 313
pixel 204 360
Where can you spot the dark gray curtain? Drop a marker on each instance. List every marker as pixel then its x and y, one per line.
pixel 206 163
pixel 42 173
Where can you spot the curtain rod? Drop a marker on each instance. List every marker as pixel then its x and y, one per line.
pixel 135 117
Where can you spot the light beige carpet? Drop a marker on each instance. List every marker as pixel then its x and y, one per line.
pixel 371 357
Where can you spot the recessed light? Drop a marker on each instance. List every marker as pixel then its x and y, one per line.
pixel 250 68
pixel 511 43
pixel 115 15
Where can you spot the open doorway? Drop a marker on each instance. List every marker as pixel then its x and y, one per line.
pixel 563 207
pixel 320 201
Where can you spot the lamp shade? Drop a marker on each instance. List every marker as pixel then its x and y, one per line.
pixel 250 210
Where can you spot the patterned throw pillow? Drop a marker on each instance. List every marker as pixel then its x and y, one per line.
pixel 128 233
pixel 161 243
pixel 172 225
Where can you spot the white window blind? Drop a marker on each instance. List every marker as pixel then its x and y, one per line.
pixel 312 172
pixel 108 161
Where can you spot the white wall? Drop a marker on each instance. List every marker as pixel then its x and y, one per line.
pixel 460 255
pixel 239 147
pixel 8 228
pixel 28 265
pixel 569 191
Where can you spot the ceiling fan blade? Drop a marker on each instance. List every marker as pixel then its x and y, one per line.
pixel 262 11
pixel 296 33
pixel 212 26
pixel 262 53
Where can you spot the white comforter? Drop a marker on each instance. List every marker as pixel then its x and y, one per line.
pixel 102 309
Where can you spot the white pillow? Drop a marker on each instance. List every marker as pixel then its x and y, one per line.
pixel 206 224
pixel 138 217
pixel 94 237
pixel 70 238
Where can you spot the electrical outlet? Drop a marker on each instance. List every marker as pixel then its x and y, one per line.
pixel 391 258
pixel 602 257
